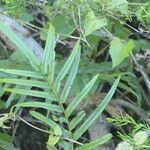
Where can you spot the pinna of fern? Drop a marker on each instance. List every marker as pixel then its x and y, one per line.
pixel 43 83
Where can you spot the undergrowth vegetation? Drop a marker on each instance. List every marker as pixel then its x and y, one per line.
pixel 95 62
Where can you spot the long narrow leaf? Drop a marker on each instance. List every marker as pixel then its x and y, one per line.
pixel 22 73
pixel 21 45
pixel 32 83
pixel 43 105
pixel 71 78
pixel 21 99
pixel 67 66
pixel 92 145
pixel 80 96
pixel 89 121
pixel 48 61
pixel 33 93
pixel 44 119
pixel 75 121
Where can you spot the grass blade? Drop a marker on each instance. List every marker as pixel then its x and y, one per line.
pixel 88 122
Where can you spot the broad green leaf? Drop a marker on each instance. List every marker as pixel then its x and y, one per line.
pixel 67 66
pixel 76 120
pixel 119 51
pixel 99 141
pixel 21 45
pixel 48 61
pixel 80 96
pixel 89 121
pixel 121 5
pixel 64 25
pixel 22 73
pixel 44 119
pixel 72 75
pixel 93 23
pixel 32 83
pixel 43 105
pixel 33 93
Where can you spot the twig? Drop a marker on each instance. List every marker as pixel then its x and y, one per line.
pixel 142 71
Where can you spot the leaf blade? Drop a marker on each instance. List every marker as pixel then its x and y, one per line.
pixel 80 96
pixel 88 122
pixel 48 61
pixel 21 45
pixel 99 141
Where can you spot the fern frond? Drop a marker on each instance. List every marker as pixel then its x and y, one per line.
pixel 89 121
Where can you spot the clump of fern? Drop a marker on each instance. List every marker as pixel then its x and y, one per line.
pixel 52 89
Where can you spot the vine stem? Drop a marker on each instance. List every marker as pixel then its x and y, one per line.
pixel 45 131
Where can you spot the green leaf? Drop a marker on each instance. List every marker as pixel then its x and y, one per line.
pixel 119 51
pixel 89 121
pixel 43 105
pixel 44 119
pixel 33 93
pixel 21 45
pixel 53 139
pixel 22 99
pixel 121 5
pixel 92 145
pixel 7 145
pixel 80 96
pixel 22 73
pixel 76 120
pixel 93 23
pixel 32 83
pixel 66 66
pixel 48 61
pixel 11 98
pixel 63 25
pixel 71 78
